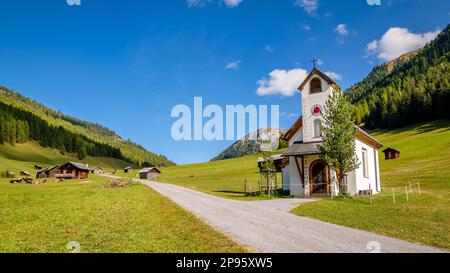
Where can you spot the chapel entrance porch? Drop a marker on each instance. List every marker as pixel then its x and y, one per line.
pixel 319 178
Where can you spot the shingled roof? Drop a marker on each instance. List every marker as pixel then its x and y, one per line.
pixel 77 165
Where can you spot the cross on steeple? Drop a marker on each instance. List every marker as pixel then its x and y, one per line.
pixel 314 62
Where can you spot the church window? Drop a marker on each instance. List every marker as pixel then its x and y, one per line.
pixel 316 86
pixel 365 164
pixel 317 128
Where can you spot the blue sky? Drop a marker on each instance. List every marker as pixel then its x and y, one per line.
pixel 129 62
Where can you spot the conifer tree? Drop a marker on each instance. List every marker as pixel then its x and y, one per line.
pixel 339 134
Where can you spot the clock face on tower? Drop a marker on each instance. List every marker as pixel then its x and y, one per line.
pixel 316 110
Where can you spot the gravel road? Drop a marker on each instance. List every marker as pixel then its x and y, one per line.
pixel 268 227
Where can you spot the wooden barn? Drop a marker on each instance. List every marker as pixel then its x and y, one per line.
pixel 390 154
pixel 128 169
pixel 98 170
pixel 48 172
pixel 149 173
pixel 75 170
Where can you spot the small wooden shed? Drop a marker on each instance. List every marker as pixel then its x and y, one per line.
pixel 149 173
pixel 98 170
pixel 391 153
pixel 75 169
pixel 128 169
pixel 48 172
pixel 25 173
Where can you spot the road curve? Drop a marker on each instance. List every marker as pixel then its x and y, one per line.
pixel 267 226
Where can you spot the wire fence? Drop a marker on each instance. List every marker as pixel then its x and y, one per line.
pixel 397 194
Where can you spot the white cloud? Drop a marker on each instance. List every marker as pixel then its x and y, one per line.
pixel 305 26
pixel 309 5
pixel 334 76
pixel 268 48
pixel 342 30
pixel 233 65
pixel 201 3
pixel 282 82
pixel 320 62
pixel 194 3
pixel 232 3
pixel 398 41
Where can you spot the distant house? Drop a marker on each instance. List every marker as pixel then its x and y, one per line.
pixel 391 153
pixel 128 169
pixel 98 170
pixel 75 170
pixel 149 173
pixel 48 172
pixel 25 173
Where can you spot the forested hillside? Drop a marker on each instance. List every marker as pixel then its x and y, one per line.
pixel 22 119
pixel 417 89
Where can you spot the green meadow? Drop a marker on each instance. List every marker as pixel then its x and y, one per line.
pixel 45 218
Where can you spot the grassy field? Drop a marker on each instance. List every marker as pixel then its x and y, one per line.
pixel 425 159
pixel 46 217
pixel 224 178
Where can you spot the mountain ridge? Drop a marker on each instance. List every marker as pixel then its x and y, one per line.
pixel 252 143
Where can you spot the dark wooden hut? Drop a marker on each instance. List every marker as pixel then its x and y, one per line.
pixel 390 154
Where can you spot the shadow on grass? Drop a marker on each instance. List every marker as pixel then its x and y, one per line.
pixel 420 128
pixel 278 194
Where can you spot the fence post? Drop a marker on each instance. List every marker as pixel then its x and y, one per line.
pixel 406 192
pixel 393 195
pixel 418 185
pixel 410 186
pixel 245 187
pixel 370 193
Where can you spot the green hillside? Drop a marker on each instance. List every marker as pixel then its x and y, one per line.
pixel 23 119
pixel 25 156
pixel 425 159
pixel 415 88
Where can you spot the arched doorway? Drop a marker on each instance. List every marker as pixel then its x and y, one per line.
pixel 319 177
